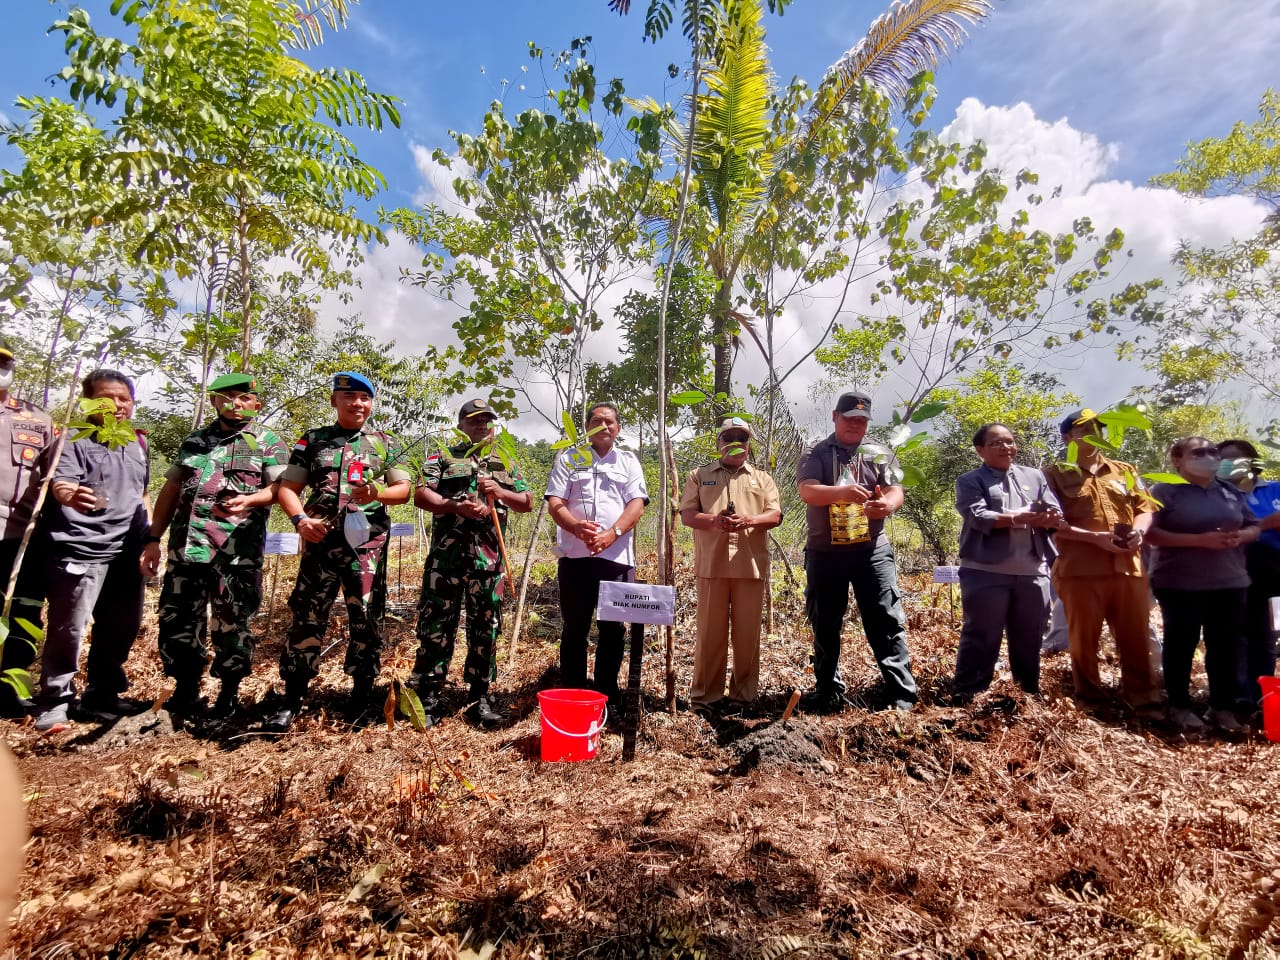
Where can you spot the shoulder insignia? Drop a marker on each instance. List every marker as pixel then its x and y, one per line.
pixel 35 439
pixel 28 453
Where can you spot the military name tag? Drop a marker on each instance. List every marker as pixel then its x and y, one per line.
pixel 281 543
pixel 402 530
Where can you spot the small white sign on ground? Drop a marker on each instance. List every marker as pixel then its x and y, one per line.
pixel 282 543
pixel 946 574
pixel 403 530
pixel 637 603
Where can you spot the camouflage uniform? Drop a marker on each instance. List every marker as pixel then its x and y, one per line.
pixel 320 460
pixel 214 563
pixel 29 435
pixel 464 565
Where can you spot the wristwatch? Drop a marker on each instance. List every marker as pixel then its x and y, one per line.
pixel 617 533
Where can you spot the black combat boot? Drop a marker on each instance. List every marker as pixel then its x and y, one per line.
pixel 228 702
pixel 362 695
pixel 280 716
pixel 483 710
pixel 184 704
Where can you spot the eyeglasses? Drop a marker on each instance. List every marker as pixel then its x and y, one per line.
pixel 1002 443
pixel 1202 452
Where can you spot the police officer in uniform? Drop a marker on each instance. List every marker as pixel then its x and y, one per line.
pixel 217 494
pixel 28 435
pixel 344 526
pixel 463 490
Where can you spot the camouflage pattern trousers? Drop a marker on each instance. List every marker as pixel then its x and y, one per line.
pixel 214 599
pixel 325 566
pixel 444 591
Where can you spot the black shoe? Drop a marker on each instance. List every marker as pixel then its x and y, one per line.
pixel 483 711
pixel 432 707
pixel 279 717
pixel 185 704
pixel 107 708
pixel 823 702
pixel 362 697
pixel 228 702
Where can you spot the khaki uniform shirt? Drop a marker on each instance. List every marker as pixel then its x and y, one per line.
pixel 1097 501
pixel 720 553
pixel 27 436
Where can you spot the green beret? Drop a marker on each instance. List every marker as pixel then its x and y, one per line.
pixel 243 382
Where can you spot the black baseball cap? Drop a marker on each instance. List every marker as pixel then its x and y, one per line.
pixel 475 408
pixel 854 404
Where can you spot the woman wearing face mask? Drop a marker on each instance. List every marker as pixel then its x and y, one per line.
pixel 1241 466
pixel 1199 577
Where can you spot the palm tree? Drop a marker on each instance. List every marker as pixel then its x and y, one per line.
pixel 729 143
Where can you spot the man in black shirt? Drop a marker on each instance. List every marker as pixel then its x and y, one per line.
pixel 848 497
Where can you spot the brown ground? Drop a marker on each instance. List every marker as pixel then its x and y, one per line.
pixel 1012 828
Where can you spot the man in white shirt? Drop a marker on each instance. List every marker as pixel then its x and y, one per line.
pixel 596 499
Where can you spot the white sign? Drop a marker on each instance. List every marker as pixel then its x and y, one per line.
pixel 946 574
pixel 403 530
pixel 282 543
pixel 637 603
pixel 1275 614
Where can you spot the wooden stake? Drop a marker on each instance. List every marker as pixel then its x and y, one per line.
pixel 791 705
pixel 502 546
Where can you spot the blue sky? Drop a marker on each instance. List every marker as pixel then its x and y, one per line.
pixel 1097 95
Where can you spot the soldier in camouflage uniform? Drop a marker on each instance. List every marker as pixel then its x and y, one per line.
pixel 217 494
pixel 28 433
pixel 465 563
pixel 344 525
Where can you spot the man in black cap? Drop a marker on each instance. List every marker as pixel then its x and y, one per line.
pixel 349 467
pixel 28 434
pixel 467 489
pixel 848 496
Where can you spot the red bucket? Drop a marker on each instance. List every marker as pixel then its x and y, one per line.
pixel 1271 706
pixel 571 724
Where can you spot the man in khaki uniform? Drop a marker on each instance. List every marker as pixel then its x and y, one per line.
pixel 730 506
pixel 1099 573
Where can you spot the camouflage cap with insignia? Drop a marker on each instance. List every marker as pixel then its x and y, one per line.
pixel 243 382
pixel 474 408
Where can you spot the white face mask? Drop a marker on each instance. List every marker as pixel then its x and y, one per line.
pixel 6 378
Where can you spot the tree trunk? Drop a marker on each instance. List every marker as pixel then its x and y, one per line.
pixel 669 576
pixel 246 295
pixel 721 343
pixel 524 580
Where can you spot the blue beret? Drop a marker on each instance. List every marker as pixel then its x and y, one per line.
pixel 352 381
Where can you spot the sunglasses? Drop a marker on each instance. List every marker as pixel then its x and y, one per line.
pixel 1202 452
pixel 734 438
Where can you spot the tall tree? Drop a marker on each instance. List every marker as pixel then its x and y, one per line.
pixel 1225 307
pixel 222 135
pixel 550 226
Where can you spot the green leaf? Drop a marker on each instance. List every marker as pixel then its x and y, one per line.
pixel 927 411
pixel 911 476
pixel 1164 478
pixel 31 629
pixel 687 398
pixel 411 706
pixel 20 680
pixel 570 430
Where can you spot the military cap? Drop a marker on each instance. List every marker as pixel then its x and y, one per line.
pixel 734 423
pixel 244 382
pixel 347 380
pixel 1077 418
pixel 854 404
pixel 474 408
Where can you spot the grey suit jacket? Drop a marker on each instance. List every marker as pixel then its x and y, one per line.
pixel 980 499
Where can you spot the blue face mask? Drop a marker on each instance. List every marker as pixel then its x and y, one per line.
pixel 1235 469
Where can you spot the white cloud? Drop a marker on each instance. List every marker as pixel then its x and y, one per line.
pixel 437 180
pixel 1154 221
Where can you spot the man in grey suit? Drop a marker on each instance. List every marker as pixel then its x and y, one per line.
pixel 1008 511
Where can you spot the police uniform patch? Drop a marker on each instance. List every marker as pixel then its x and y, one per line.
pixel 28 454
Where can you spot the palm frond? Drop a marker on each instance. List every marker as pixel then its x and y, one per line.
pixel 733 129
pixel 913 35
